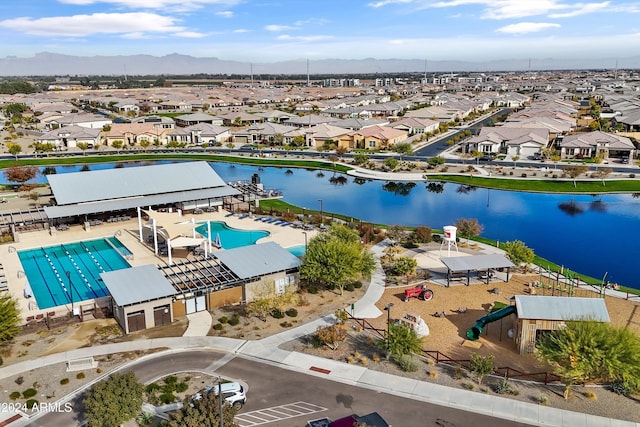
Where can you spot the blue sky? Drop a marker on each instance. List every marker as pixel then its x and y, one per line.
pixel 275 30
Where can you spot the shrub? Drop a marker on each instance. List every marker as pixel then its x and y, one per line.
pixel 30 392
pixel 235 319
pixel 468 386
pixel 99 370
pixel 286 324
pixel 357 284
pixel 14 395
pixel 223 320
pixel 80 375
pixel 64 381
pixel 218 326
pixel 32 403
pixel 276 313
pixel 167 398
pixel 19 380
pixel 632 175
pixel 349 287
pixel 503 387
pixel 555 176
pixel 511 173
pixel 621 387
pixel 591 395
pixel 407 365
pixel 376 357
pixel 150 388
pixel 292 312
pixel 313 290
pixel 543 399
pixel 524 175
pixel 433 374
pixel 182 387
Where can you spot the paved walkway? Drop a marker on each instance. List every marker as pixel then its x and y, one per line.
pixel 199 324
pixel 267 350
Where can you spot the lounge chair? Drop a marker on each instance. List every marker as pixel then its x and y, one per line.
pixel 285 224
pixel 260 218
pixel 229 214
pixel 243 216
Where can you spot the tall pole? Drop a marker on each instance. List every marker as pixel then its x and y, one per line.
pixel 321 217
pixel 220 400
pixel 388 310
pixel 305 241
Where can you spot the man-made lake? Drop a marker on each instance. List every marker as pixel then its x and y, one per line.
pixel 593 235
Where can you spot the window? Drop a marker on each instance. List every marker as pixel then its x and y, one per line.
pixel 280 286
pixel 372 144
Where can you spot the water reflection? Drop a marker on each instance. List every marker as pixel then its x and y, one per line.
pixel 571 208
pixel 338 180
pixel 399 188
pixel 435 187
pixel 466 189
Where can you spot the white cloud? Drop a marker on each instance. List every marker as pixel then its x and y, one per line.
pixel 164 5
pixel 585 9
pixel 189 34
pixel 381 3
pixel 507 9
pixel 303 38
pixel 277 28
pixel 241 30
pixel 225 14
pixel 526 27
pixel 97 23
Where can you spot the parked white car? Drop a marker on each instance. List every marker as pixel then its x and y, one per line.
pixel 233 393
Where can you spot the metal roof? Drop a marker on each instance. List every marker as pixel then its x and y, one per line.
pixel 561 308
pixel 477 262
pixel 140 201
pixel 258 260
pixel 137 284
pixel 122 183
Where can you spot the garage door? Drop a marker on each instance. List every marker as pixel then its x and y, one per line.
pixel 135 321
pixel 162 315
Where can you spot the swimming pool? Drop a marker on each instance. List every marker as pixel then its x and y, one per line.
pixel 298 250
pixel 229 237
pixel 55 274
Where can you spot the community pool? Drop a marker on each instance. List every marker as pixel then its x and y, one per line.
pixel 62 274
pixel 298 250
pixel 228 237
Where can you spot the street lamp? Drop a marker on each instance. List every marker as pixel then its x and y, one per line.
pixel 387 308
pixel 220 400
pixel 321 218
pixel 305 241
pixel 70 290
pixel 304 213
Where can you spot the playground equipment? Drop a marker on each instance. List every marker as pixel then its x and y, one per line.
pixel 419 291
pixel 449 237
pixel 474 333
pixel 416 323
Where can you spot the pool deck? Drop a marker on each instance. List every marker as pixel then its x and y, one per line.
pixel 127 233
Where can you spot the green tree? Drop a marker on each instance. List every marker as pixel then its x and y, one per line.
pixel 336 258
pixel 436 161
pixel 519 253
pixel 468 227
pixel 145 143
pixel 405 266
pixel 515 159
pixel 14 149
pixel 481 366
pixel 390 163
pixel 575 171
pixel 588 351
pixel 9 318
pixel 403 149
pixel 117 144
pixel 83 146
pixel 360 159
pixel 113 401
pixel 298 141
pixel 401 340
pixel 202 412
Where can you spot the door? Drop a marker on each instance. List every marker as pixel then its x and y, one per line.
pixel 162 315
pixel 135 321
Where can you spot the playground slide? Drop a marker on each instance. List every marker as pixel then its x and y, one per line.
pixel 475 332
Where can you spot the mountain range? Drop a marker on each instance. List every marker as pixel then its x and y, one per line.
pixel 54 64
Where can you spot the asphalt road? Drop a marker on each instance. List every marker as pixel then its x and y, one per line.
pixel 270 386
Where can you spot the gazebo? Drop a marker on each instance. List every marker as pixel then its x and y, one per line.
pixel 467 264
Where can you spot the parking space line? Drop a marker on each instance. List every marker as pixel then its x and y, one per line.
pixel 277 413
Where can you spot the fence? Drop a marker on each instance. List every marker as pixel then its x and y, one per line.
pixel 504 371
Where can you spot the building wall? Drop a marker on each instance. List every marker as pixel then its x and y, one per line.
pixel 527 331
pixel 275 283
pixel 121 313
pixel 225 297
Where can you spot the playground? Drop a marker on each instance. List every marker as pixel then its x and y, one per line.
pixel 453 313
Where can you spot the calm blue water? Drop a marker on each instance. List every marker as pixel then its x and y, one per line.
pixel 590 234
pixel 298 251
pixel 46 270
pixel 231 237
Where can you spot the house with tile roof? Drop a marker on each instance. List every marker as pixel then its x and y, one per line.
pixel 511 141
pixel 596 144
pixel 373 138
pixel 70 136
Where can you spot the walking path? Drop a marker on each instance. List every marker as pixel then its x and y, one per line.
pixel 267 351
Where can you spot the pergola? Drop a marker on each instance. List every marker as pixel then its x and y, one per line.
pixel 467 264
